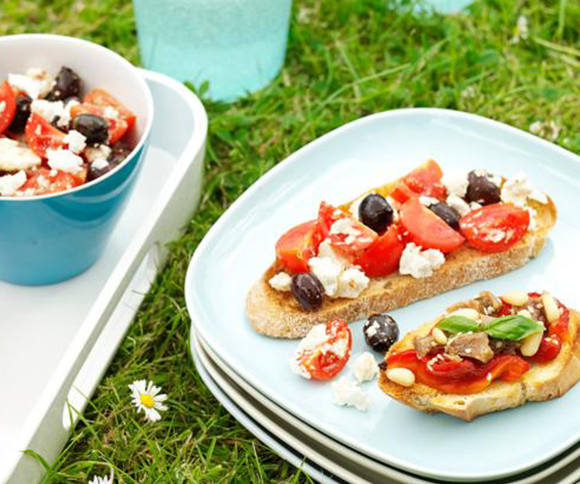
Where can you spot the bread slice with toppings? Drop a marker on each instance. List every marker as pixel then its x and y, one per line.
pixel 278 314
pixel 541 382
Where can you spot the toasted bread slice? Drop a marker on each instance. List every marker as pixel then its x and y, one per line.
pixel 541 382
pixel 278 314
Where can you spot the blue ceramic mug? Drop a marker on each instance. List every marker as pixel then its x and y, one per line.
pixel 51 238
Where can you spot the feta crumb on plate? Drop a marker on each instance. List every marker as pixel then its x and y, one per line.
pixel 365 367
pixel 347 393
pixel 64 160
pixel 420 263
pixel 16 156
pixel 280 282
pixel 76 141
pixel 10 183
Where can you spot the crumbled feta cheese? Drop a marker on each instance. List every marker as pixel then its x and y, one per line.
pixel 111 112
pixel 10 183
pixel 474 206
pixel 351 283
pixel 36 82
pixel 533 218
pixel 76 141
pixel 420 263
pixel 518 189
pixel 346 392
pixel 458 204
pixel 428 201
pixel 372 329
pixel 52 110
pixel 344 226
pixel 494 235
pixel 495 179
pixel 2 106
pixel 393 204
pixel 100 164
pixel 325 250
pixel 280 282
pixel 92 153
pixel 365 367
pixel 64 160
pixel 16 156
pixel 327 271
pixel 456 185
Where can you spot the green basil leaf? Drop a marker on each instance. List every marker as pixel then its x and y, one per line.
pixel 514 327
pixel 458 324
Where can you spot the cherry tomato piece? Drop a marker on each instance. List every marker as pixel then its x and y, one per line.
pixel 42 182
pixel 327 359
pixel 427 229
pixel 382 258
pixel 7 105
pixel 101 98
pixel 495 228
pixel 41 135
pixel 426 180
pixel 295 248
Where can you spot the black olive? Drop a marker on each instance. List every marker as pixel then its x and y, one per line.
pixel 93 127
pixel 381 332
pixel 375 212
pixel 120 152
pixel 67 84
pixel 482 190
pixel 449 215
pixel 308 290
pixel 22 113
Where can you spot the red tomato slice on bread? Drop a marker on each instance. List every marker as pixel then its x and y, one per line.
pixel 297 246
pixel 329 357
pixel 495 228
pixel 427 229
pixel 382 258
pixel 426 180
pixel 41 135
pixel 101 98
pixel 7 106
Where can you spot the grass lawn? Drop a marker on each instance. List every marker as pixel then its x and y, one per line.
pixel 346 59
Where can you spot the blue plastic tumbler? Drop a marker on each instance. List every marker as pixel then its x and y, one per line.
pixel 237 46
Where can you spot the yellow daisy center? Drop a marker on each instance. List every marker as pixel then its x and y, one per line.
pixel 147 400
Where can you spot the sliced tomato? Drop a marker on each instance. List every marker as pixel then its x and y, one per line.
pixel 41 135
pixel 462 377
pixel 295 248
pixel 101 98
pixel 7 105
pixel 382 258
pixel 329 357
pixel 44 181
pixel 401 192
pixel 495 228
pixel 549 349
pixel 427 229
pixel 327 215
pixel 117 126
pixel 426 180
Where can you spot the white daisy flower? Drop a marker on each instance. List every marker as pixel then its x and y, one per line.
pixel 103 480
pixel 522 30
pixel 546 129
pixel 146 397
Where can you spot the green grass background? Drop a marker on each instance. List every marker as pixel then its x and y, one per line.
pixel 346 59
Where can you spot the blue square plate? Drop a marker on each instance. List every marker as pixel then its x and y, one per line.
pixel 336 168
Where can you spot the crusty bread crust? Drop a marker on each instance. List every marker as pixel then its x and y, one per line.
pixel 278 314
pixel 541 382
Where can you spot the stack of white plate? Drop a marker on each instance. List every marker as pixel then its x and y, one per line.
pixel 250 374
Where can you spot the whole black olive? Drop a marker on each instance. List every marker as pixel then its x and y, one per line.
pixel 93 127
pixel 375 212
pixel 22 113
pixel 481 189
pixel 308 290
pixel 67 84
pixel 449 215
pixel 381 332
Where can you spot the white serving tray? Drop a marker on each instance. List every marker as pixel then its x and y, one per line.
pixel 564 469
pixel 57 341
pixel 271 440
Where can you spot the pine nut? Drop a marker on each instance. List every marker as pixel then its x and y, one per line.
pixel 515 298
pixel 466 313
pixel 439 336
pixel 531 344
pixel 550 307
pixel 401 376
